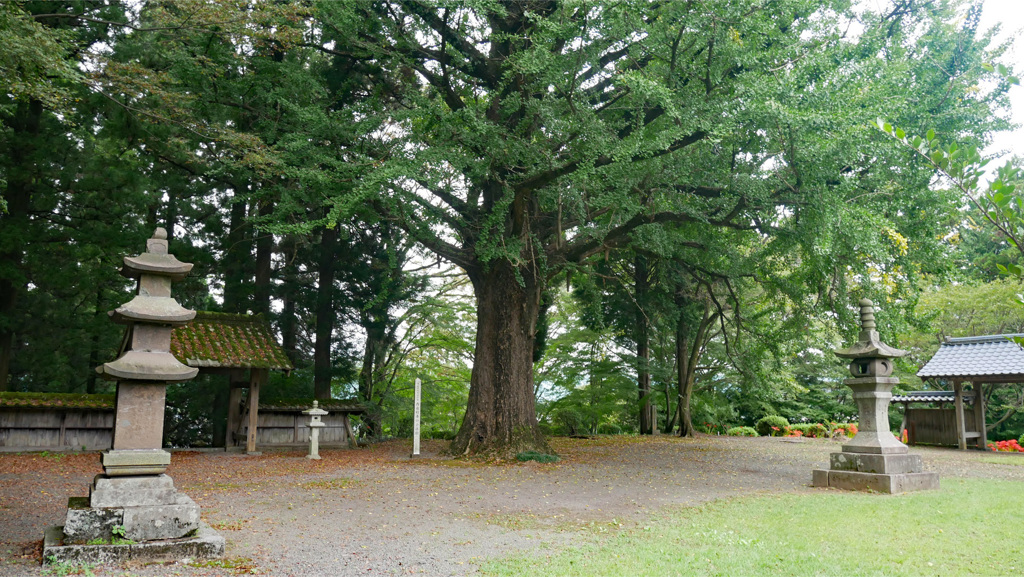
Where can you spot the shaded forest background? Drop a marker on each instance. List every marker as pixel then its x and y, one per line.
pixel 687 200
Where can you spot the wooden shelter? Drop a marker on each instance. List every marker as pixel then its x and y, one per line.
pixel 929 417
pixel 963 362
pixel 243 348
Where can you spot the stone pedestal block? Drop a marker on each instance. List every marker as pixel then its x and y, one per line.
pixel 885 464
pixel 162 521
pixel 147 507
pixel 132 462
pixel 205 544
pixel 132 491
pixel 878 482
pixel 83 523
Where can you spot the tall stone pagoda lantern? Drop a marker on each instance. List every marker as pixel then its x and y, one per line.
pixel 147 366
pixel 134 495
pixel 874 459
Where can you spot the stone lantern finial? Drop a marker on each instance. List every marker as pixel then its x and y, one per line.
pixel 867 314
pixel 868 345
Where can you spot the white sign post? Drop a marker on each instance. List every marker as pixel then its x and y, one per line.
pixel 416 421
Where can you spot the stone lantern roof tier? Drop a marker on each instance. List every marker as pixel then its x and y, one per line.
pixel 870 347
pixel 156 366
pixel 165 265
pixel 151 309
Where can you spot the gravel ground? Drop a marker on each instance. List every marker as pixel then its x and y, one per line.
pixel 375 511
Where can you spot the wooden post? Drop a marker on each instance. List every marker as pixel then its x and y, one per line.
pixel 234 416
pixel 255 376
pixel 958 400
pixel 62 437
pixel 352 443
pixel 979 415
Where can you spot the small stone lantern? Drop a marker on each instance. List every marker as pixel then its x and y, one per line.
pixel 315 424
pixel 874 459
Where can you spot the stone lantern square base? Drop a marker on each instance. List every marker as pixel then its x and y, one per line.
pixel 882 473
pixel 143 508
pixel 205 544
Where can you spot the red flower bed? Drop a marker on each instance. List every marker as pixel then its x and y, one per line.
pixel 1011 446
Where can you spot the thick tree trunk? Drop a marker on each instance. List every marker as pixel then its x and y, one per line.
pixel 684 380
pixel 21 172
pixel 94 342
pixel 373 356
pixel 643 346
pixel 289 293
pixel 689 347
pixel 325 315
pixel 237 256
pixel 264 251
pixel 501 417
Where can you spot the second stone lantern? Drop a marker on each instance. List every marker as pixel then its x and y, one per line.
pixel 874 459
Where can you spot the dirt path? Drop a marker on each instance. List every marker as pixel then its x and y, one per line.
pixel 373 511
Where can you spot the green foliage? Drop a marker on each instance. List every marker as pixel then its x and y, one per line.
pixel 772 425
pixel 816 430
pixel 538 457
pixel 569 421
pixel 64 568
pixel 742 432
pixel 582 372
pixel 189 411
pixel 35 61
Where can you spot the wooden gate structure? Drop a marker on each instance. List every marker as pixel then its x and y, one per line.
pixel 963 362
pixel 241 347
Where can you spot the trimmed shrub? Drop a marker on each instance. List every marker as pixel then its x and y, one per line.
pixel 772 425
pixel 609 429
pixel 569 421
pixel 810 429
pixel 847 429
pixel 742 432
pixel 535 456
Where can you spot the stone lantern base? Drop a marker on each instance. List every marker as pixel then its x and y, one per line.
pixel 127 517
pixel 874 459
pixel 888 473
pixel 205 544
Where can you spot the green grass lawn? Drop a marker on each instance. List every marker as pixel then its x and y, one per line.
pixel 969 527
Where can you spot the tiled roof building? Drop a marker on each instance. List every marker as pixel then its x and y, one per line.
pixel 993 358
pixel 230 341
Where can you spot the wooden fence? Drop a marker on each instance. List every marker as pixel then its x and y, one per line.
pixel 935 426
pixel 55 429
pixel 277 427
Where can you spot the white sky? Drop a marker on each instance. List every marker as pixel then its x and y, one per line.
pixel 1009 14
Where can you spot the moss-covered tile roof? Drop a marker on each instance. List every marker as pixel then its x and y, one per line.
pixel 333 405
pixel 57 401
pixel 230 341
